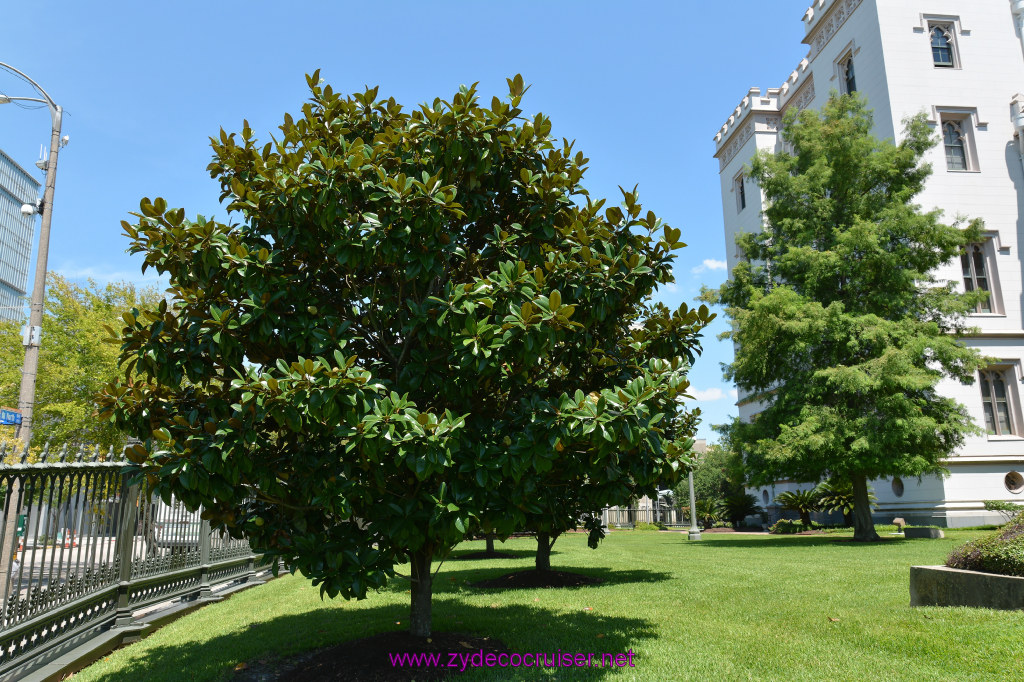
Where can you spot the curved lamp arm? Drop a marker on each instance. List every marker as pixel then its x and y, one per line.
pixel 55 111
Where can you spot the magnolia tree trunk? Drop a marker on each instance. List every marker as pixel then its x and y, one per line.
pixel 863 524
pixel 490 544
pixel 419 617
pixel 544 544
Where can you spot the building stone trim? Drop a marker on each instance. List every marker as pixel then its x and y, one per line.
pixel 739 138
pixel 832 17
pixel 802 98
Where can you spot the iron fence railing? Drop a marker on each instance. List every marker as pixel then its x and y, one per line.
pixel 83 550
pixel 622 517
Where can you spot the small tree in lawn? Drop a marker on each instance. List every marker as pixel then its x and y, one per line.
pixel 351 373
pixel 842 328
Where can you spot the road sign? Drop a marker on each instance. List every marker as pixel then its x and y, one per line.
pixel 8 417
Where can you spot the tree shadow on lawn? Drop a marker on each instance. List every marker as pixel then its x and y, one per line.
pixel 459 580
pixel 769 542
pixel 271 647
pixel 459 554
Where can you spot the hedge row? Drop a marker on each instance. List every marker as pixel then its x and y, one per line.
pixel 1001 553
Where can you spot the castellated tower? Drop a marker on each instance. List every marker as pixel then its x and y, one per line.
pixel 962 63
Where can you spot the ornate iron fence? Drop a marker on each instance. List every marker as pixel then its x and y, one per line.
pixel 83 551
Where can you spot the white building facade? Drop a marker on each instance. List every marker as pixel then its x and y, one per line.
pixel 962 63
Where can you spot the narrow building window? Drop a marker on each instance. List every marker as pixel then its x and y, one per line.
pixel 976 277
pixel 846 70
pixel 996 403
pixel 741 194
pixel 942 45
pixel 953 137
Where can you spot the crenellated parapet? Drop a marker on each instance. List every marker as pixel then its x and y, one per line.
pixel 823 19
pixel 763 113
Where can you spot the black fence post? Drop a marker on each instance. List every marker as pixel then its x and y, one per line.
pixel 204 559
pixel 127 516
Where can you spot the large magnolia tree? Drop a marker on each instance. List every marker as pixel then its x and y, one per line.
pixel 381 352
pixel 842 328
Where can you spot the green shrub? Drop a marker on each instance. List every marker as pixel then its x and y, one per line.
pixel 643 525
pixel 1002 553
pixel 788 527
pixel 739 506
pixel 803 502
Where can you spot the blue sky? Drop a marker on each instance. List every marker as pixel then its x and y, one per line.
pixel 144 85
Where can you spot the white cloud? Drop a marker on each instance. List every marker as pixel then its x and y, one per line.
pixel 710 264
pixel 734 393
pixel 103 276
pixel 707 395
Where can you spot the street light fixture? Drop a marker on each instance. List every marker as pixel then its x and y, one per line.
pixel 27 396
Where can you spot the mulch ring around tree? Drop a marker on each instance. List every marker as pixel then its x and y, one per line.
pixel 375 659
pixel 534 579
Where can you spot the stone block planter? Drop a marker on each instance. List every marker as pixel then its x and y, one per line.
pixel 944 586
pixel 909 533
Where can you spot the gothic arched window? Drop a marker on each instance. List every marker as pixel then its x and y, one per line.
pixel 953 138
pixel 942 45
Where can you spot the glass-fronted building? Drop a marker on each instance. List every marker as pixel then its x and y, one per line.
pixel 17 187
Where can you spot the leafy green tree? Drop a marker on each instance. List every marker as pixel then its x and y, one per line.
pixel 843 330
pixel 718 474
pixel 715 474
pixel 382 355
pixel 74 361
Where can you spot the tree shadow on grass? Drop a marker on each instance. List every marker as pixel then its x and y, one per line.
pixel 269 647
pixel 454 578
pixel 606 576
pixel 770 542
pixel 458 554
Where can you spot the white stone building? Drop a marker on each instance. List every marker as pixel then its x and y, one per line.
pixel 962 63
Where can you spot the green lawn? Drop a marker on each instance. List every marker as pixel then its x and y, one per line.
pixel 732 607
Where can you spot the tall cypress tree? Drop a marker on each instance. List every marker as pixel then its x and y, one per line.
pixel 842 328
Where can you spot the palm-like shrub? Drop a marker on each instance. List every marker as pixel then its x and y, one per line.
pixel 739 506
pixel 837 495
pixel 710 510
pixel 801 501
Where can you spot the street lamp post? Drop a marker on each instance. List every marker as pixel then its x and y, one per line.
pixel 27 396
pixel 694 533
